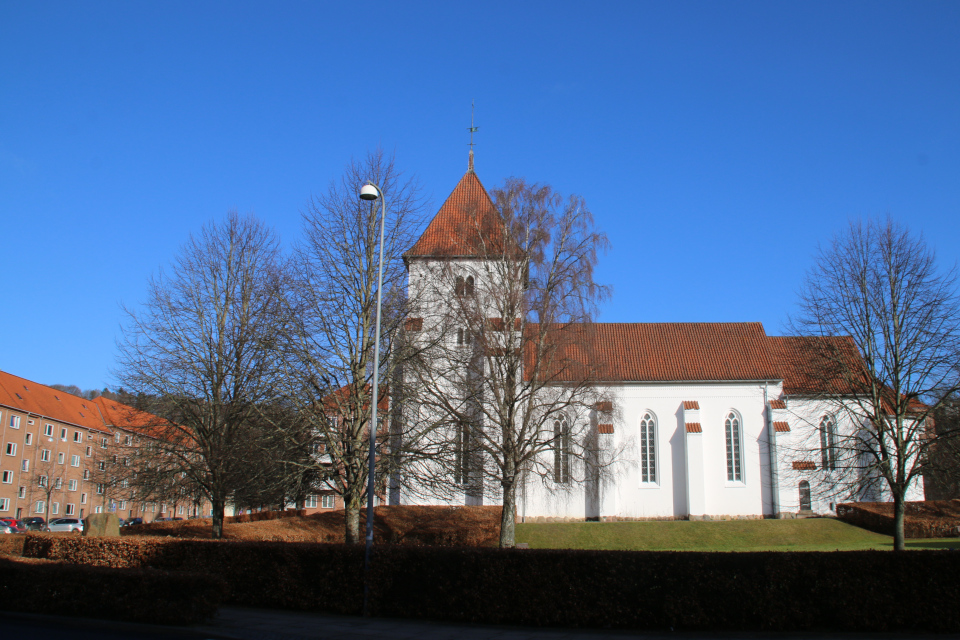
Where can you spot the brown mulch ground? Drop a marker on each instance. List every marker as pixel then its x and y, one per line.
pixel 409 525
pixel 927 519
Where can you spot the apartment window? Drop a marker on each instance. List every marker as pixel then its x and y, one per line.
pixel 40 507
pixel 464 337
pixel 61 457
pixel 98 509
pixel 326 501
pixel 71 508
pixel 63 433
pixel 58 484
pixel 116 437
pixel 45 455
pixel 74 461
pixel 128 440
pixel 83 498
pixel 113 506
pixel 310 502
pixel 123 505
pixel 86 474
pixel 731 426
pixel 124 483
pixel 77 436
pixel 648 448
pixel 55 508
pixel 14 422
pixel 8 477
pixel 180 510
pixel 11 448
pixel 48 429
pixel 89 451
pixel 42 481
pixel 126 462
pixel 22 493
pixel 28 439
pixel 100 489
pixel 25 465
pixel 4 504
pixel 101 465
pixel 828 443
pixel 103 443
pixel 561 451
pixel 72 485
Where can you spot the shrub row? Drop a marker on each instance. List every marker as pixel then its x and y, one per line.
pixel 117 594
pixel 863 591
pixel 257 516
pixel 11 544
pixel 920 521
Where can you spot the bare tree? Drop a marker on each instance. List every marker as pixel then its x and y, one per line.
pixel 202 351
pixel 47 481
pixel 879 285
pixel 513 379
pixel 329 350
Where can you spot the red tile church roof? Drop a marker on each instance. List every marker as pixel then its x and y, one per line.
pixel 467 225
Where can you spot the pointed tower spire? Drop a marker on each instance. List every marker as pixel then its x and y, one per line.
pixel 473 130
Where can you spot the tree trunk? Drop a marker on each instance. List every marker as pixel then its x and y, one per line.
pixel 899 512
pixel 351 511
pixel 508 518
pixel 218 507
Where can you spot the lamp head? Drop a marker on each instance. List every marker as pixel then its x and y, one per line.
pixel 369 192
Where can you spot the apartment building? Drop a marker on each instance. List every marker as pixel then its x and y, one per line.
pixel 66 456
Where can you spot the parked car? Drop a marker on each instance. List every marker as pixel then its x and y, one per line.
pixel 132 521
pixel 5 528
pixel 18 525
pixel 35 523
pixel 70 525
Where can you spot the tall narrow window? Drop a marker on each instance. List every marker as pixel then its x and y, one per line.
pixel 458 286
pixel 648 448
pixel 468 286
pixel 462 462
pixel 734 458
pixel 828 443
pixel 561 451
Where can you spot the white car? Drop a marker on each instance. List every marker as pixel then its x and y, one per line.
pixel 65 524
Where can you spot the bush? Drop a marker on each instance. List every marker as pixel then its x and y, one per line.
pixel 116 594
pixel 12 544
pixel 862 591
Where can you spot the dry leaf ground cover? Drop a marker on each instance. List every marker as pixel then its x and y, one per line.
pixel 410 525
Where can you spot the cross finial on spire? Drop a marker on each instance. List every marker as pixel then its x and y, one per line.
pixel 473 130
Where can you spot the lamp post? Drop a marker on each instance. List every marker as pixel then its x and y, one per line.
pixel 372 192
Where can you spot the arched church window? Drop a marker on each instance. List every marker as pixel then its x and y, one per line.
pixel 828 442
pixel 458 285
pixel 805 502
pixel 731 426
pixel 464 337
pixel 561 451
pixel 463 446
pixel 468 286
pixel 648 448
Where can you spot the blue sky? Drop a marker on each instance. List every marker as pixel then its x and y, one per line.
pixel 717 143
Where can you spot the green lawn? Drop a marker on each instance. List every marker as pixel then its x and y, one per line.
pixel 813 534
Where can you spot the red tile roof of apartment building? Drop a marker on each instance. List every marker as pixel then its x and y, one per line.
pixel 41 400
pixel 467 225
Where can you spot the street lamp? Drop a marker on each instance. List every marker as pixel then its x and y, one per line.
pixel 372 192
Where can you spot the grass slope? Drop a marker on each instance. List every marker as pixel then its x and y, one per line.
pixel 814 534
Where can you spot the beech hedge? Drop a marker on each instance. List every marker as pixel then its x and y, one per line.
pixel 133 595
pixel 766 591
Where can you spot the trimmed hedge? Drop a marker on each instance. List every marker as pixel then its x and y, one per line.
pixel 850 591
pixel 115 594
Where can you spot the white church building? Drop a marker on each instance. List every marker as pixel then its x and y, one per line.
pixel 711 420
